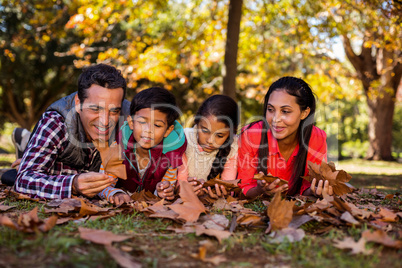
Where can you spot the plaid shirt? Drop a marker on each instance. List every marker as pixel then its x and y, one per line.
pixel 41 174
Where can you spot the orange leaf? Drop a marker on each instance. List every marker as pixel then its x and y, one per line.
pixel 192 207
pixel 280 212
pixel 101 236
pixel 379 236
pixel 270 179
pixel 356 247
pixel 111 159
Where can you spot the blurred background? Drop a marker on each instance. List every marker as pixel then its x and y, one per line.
pixel 349 51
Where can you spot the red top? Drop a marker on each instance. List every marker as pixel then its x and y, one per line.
pixel 277 165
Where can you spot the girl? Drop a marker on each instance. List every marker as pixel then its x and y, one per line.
pixel 283 142
pixel 212 144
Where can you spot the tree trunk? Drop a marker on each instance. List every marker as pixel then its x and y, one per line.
pixel 380 75
pixel 381 114
pixel 232 41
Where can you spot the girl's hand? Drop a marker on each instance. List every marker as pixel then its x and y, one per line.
pixel 322 189
pixel 16 164
pixel 165 190
pixel 197 185
pixel 220 191
pixel 271 187
pixel 120 198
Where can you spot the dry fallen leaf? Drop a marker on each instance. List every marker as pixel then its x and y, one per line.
pixel 192 207
pixel 327 171
pixel 280 212
pixel 379 236
pixel 219 234
pixel 270 179
pixel 387 215
pixel 111 159
pixel 101 236
pixel 356 247
pixel 290 234
pixel 123 259
pixel 29 222
pixel 5 207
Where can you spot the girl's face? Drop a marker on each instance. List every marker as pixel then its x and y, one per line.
pixel 211 133
pixel 284 115
pixel 149 127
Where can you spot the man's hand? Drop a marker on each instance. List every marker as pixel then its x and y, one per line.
pixel 120 198
pixel 91 183
pixel 16 164
pixel 165 190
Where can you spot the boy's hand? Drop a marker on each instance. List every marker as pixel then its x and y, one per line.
pixel 197 184
pixel 165 190
pixel 120 198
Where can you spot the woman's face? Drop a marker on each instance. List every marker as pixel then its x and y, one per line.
pixel 284 115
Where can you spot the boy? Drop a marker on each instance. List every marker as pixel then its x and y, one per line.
pixel 153 143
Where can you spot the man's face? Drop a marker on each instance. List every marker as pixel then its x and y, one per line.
pixel 100 111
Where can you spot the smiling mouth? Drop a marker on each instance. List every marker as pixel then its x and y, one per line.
pixel 278 129
pixel 102 129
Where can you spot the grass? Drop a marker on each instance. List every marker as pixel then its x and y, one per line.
pixel 153 245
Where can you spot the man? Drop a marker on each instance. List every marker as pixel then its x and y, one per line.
pixel 60 159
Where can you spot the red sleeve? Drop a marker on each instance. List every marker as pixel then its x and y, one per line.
pixel 247 161
pixel 317 152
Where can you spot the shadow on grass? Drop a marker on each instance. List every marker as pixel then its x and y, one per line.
pixel 383 182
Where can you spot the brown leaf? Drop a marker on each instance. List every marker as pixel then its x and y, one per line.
pixel 346 216
pixel 327 171
pixel 88 209
pixel 250 220
pixel 101 236
pixel 112 159
pixel 146 196
pixel 230 185
pixel 270 179
pixel 356 247
pixel 219 234
pixel 48 224
pixel 379 236
pixel 6 221
pixel 192 207
pixel 123 259
pixel 387 215
pixel 280 212
pixel 5 207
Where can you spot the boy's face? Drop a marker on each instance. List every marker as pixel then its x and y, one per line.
pixel 149 127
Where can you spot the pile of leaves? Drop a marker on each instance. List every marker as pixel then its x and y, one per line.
pixel 219 218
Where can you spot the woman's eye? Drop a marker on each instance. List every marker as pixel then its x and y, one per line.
pixel 286 112
pixel 270 110
pixel 204 130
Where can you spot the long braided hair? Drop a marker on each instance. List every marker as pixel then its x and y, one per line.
pixel 304 98
pixel 225 109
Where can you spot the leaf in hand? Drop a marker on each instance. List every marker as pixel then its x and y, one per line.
pixel 230 186
pixel 111 159
pixel 280 212
pixel 191 208
pixel 270 179
pixel 327 171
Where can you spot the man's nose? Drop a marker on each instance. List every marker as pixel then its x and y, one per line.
pixel 104 118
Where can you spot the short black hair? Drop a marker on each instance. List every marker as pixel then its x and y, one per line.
pixel 156 98
pixel 102 75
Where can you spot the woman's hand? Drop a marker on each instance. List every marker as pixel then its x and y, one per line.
pixel 165 190
pixel 120 198
pixel 271 188
pixel 322 189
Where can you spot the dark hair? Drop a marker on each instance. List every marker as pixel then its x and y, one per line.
pixel 226 111
pixel 304 98
pixel 156 98
pixel 102 75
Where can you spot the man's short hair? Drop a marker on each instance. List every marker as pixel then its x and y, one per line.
pixel 156 98
pixel 102 75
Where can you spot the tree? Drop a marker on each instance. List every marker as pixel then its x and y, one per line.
pixel 232 40
pixel 378 64
pixel 32 74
